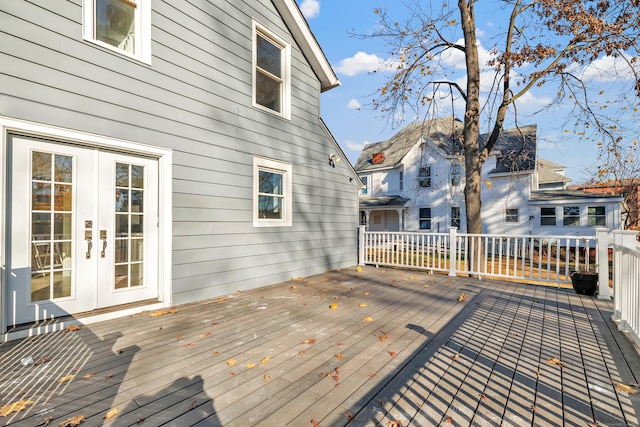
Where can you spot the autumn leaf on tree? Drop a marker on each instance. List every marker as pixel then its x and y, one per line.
pixel 14 407
pixel 65 379
pixel 112 413
pixel 72 421
pixel 556 361
pixel 627 389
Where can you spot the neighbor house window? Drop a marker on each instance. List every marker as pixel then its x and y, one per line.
pixel 121 25
pixel 425 218
pixel 365 185
pixel 571 216
pixel 424 178
pixel 271 193
pixel 271 77
pixel 455 216
pixel 548 216
pixel 456 173
pixel 511 215
pixel 401 179
pixel 596 215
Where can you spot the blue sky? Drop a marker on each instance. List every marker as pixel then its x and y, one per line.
pixel 353 124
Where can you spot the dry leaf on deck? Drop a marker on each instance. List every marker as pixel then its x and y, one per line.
pixel 89 375
pixel 301 352
pixel 456 356
pixel 450 420
pixel 46 421
pixel 339 356
pixel 72 421
pixel 368 319
pixel 251 365
pixel 462 297
pixel 556 361
pixel 309 341
pixel 366 293
pixel 231 362
pixel 362 305
pixel 314 423
pixel 333 306
pixel 382 338
pixel 72 328
pixel 266 378
pixel 112 413
pixel 14 407
pixel 394 423
pixel 206 334
pixel 294 287
pixel 265 360
pixel 216 353
pixel 627 389
pixel 393 354
pixel 65 379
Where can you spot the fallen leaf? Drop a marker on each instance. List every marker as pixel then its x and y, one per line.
pixel 140 420
pixel 266 378
pixel 462 297
pixel 216 353
pixel 251 365
pixel 206 334
pixel 301 279
pixel 450 420
pixel 339 356
pixel 232 373
pixel 294 287
pixel 112 413
pixel 231 362
pixel 349 416
pixel 333 306
pixel 65 379
pixel 482 396
pixel 627 389
pixel 265 360
pixel 366 293
pixel 301 352
pixel 108 376
pixel 394 423
pixel 89 375
pixel 14 407
pixel 221 299
pixel 556 361
pixel 162 313
pixel 368 319
pixel 43 360
pixel 393 354
pixel 309 341
pixel 71 328
pixel 426 286
pixel 456 356
pixel 191 344
pixel 46 421
pixel 362 305
pixel 394 285
pixel 314 423
pixel 373 374
pixel 382 338
pixel 193 404
pixel 72 421
pixel 533 408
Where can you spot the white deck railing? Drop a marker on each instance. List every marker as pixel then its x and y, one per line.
pixel 526 258
pixel 626 283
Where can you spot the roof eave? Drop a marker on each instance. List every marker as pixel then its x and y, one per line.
pixel 301 32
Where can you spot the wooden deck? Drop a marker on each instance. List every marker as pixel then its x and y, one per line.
pixel 398 346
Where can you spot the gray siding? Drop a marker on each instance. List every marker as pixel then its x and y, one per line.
pixel 195 99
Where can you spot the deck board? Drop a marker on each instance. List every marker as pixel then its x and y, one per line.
pixel 426 358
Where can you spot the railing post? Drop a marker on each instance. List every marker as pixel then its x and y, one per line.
pixel 453 252
pixel 602 248
pixel 621 239
pixel 361 231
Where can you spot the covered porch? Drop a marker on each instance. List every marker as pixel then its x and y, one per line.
pixel 382 213
pixel 343 348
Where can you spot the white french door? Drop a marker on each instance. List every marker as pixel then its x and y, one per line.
pixel 83 229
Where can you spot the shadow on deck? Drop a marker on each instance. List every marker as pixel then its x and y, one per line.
pixel 342 348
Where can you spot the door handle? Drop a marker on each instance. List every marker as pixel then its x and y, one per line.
pixel 103 237
pixel 88 237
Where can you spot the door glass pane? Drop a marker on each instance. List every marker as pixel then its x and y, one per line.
pixel 51 258
pixel 129 221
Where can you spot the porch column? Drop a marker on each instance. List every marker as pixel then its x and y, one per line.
pixel 400 218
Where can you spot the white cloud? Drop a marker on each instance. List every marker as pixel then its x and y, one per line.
pixel 310 8
pixel 361 62
pixel 355 146
pixel 608 69
pixel 354 104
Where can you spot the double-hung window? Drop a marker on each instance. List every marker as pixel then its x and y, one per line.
pixel 425 218
pixel 120 25
pixel 271 72
pixel 511 215
pixel 571 216
pixel 596 215
pixel 271 193
pixel 455 216
pixel 548 216
pixel 424 178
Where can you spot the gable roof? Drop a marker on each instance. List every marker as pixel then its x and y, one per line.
pixel 547 174
pixel 515 149
pixel 301 32
pixel 444 133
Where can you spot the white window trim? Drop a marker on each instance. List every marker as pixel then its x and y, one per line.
pixel 286 69
pixel 143 23
pixel 260 163
pixel 507 215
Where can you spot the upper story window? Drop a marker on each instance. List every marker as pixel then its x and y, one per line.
pixel 424 178
pixel 120 25
pixel 511 215
pixel 365 185
pixel 548 216
pixel 596 215
pixel 571 216
pixel 456 173
pixel 271 193
pixel 401 180
pixel 271 72
pixel 425 218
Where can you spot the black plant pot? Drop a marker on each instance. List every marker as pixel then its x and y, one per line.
pixel 584 283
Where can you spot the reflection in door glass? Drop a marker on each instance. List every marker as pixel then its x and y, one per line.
pixel 51 253
pixel 129 212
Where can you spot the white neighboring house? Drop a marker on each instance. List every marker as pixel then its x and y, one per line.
pixel 415 182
